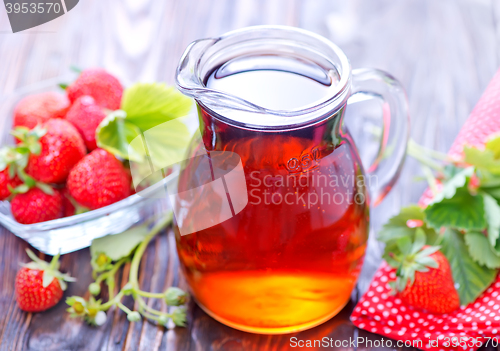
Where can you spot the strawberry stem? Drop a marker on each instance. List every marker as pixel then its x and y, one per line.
pixel 34 257
pixel 431 180
pixel 112 302
pixel 132 288
pixel 415 151
pixel 149 316
pixel 412 144
pixel 149 294
pixel 55 261
pixel 123 307
pixel 145 306
pixel 134 267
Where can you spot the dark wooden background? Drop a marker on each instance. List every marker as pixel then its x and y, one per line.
pixel 444 52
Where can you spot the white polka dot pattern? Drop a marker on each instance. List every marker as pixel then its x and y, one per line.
pixel 402 322
pixel 380 312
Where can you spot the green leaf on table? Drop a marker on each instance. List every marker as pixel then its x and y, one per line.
pixel 470 278
pixel 150 104
pixel 481 251
pixel 492 215
pixel 450 186
pixel 120 245
pixel 482 159
pixel 115 134
pixel 463 211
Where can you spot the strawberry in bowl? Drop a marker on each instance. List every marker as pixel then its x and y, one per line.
pixel 66 179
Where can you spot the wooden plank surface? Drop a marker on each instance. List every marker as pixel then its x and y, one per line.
pixel 444 53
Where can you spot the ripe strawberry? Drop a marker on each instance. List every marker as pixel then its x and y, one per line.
pixel 98 180
pixel 39 285
pixel 102 86
pixel 37 109
pixel 425 280
pixel 61 147
pixel 6 181
pixel 13 160
pixel 35 206
pixel 86 115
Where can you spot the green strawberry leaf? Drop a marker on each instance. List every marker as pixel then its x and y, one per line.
pixel 487 180
pixel 419 243
pixel 115 134
pixel 482 159
pixel 450 186
pixel 149 113
pixel 14 157
pixel 481 251
pixel 404 245
pixel 413 257
pixel 164 145
pixel 20 189
pixel 167 143
pixel 450 170
pixel 492 215
pixel 47 278
pixel 493 144
pixel 470 278
pixel 463 211
pixel 28 180
pixel 120 245
pixel 150 104
pixel 493 192
pixel 47 189
pixel 489 183
pixel 397 226
pixel 12 172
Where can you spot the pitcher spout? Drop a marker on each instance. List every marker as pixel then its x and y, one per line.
pixel 191 71
pixel 187 78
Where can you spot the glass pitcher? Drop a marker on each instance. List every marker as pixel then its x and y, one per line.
pixel 272 206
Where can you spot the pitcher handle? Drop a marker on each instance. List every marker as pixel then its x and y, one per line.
pixel 385 168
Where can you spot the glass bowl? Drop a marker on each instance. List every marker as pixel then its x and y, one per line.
pixel 77 232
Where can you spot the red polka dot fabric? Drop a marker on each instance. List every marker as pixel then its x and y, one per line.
pixel 465 329
pixel 470 326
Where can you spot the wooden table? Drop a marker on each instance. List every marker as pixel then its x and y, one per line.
pixel 444 53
